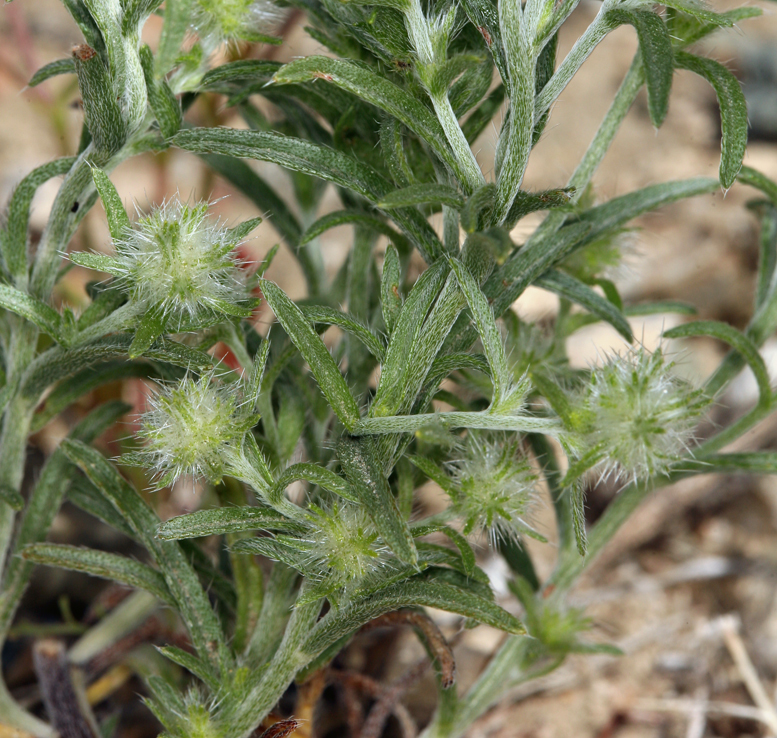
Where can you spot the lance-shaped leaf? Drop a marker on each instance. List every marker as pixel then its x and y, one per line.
pixel 418 591
pixel 701 10
pixel 573 289
pixel 316 160
pixel 365 475
pixel 191 663
pixel 42 315
pixel 315 353
pixel 754 178
pixel 100 564
pixel 59 363
pixel 118 221
pixel 655 46
pixel 738 341
pixel 151 326
pixel 163 102
pixel 408 326
pixel 753 462
pixel 52 69
pixel 191 601
pixel 617 212
pixel 487 330
pixel 422 194
pixel 524 266
pixel 223 520
pixel 352 326
pixel 390 280
pixel 317 475
pixel 733 111
pixel 14 241
pixel 243 70
pixel 376 90
pixel 355 217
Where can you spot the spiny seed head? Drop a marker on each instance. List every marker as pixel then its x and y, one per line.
pixel 493 487
pixel 220 21
pixel 637 415
pixel 192 428
pixel 343 542
pixel 179 262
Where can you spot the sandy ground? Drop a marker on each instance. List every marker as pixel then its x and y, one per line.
pixel 689 584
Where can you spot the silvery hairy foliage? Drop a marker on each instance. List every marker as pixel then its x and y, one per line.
pixel 431 378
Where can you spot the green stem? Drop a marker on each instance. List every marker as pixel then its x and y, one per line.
pixel 288 660
pixel 599 146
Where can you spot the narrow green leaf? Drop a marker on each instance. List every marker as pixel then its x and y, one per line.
pixel 356 217
pixel 417 591
pixel 378 91
pixel 487 330
pixel 151 327
pixel 754 178
pixel 366 478
pixel 733 111
pixel 390 281
pixel 313 159
pixel 330 316
pixel 14 241
pixel 738 341
pixel 753 462
pixel 118 221
pixel 242 70
pixel 409 325
pixel 767 261
pixel 655 46
pixel 530 202
pixel 573 289
pixel 422 194
pixel 43 316
pixel 422 528
pixel 191 663
pixel 52 69
pixel 167 109
pixel 317 475
pixel 100 564
pixel 699 9
pixel 525 265
pixel 315 353
pixel 191 601
pixel 222 520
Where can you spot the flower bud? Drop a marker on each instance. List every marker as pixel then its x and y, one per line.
pixel 193 428
pixel 343 544
pixel 493 487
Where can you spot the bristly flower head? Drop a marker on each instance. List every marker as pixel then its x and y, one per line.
pixel 182 264
pixel 493 487
pixel 636 417
pixel 193 428
pixel 220 21
pixel 344 542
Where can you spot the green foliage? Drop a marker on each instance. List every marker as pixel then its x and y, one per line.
pixel 427 378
